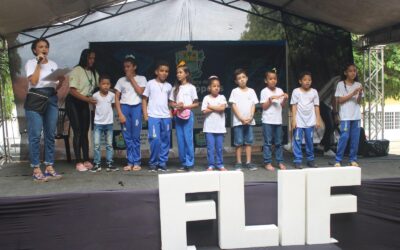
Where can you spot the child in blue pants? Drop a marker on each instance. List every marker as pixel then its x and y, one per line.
pixel 305 115
pixel 348 95
pixel 183 99
pixel 128 103
pixel 272 100
pixel 156 111
pixel 213 106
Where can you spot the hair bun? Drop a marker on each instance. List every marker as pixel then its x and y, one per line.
pixel 181 64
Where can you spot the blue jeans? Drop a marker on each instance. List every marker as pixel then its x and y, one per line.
pixel 298 139
pixel 48 122
pixel 272 134
pixel 131 132
pixel 159 140
pixel 348 130
pixel 243 135
pixel 184 136
pixel 99 130
pixel 215 147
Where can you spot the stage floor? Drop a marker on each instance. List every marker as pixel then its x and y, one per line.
pixel 15 178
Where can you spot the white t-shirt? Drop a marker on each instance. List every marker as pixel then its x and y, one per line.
pixel 244 100
pixel 158 94
pixel 350 110
pixel 128 93
pixel 187 94
pixel 306 102
pixel 215 121
pixel 104 113
pixel 45 70
pixel 272 115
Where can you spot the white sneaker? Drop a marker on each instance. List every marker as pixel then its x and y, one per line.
pixel 329 153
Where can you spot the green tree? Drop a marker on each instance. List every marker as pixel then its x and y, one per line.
pixel 5 81
pixel 392 67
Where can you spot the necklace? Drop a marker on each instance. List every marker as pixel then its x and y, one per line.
pixel 89 79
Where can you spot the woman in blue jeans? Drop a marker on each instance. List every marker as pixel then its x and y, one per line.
pixel 41 110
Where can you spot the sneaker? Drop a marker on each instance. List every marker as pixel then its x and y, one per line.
pixel 337 164
pixel 238 166
pixel 210 168
pixel 182 169
pixel 39 177
pixel 329 153
pixel 250 166
pixel 96 168
pixel 111 168
pixel 312 164
pixel 354 164
pixel 298 165
pixel 222 169
pixel 80 167
pixel 153 169
pixel 52 175
pixel 161 169
pixel 88 165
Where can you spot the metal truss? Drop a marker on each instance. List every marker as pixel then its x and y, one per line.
pixel 374 107
pixel 4 145
pixel 92 16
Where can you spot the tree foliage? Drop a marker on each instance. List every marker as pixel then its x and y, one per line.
pixel 5 81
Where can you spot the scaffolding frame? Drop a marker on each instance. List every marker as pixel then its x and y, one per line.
pixel 374 85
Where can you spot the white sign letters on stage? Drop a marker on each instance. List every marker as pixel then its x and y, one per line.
pixel 305 204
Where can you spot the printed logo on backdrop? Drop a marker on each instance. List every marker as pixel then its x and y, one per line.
pixel 194 60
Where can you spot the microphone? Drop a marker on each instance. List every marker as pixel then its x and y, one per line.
pixel 39 58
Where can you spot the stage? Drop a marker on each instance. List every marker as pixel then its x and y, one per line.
pixel 120 210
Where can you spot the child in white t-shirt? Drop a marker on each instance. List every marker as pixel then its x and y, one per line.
pixel 243 101
pixel 213 107
pixel 103 124
pixel 156 111
pixel 128 102
pixel 183 99
pixel 305 116
pixel 272 100
pixel 348 94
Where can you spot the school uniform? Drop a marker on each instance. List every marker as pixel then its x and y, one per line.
pixel 350 121
pixel 159 123
pixel 214 128
pixel 305 120
pixel 184 128
pixel 131 107
pixel 244 100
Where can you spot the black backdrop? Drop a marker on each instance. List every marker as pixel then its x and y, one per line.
pixel 204 58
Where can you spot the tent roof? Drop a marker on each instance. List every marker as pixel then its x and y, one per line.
pixel 361 17
pixel 19 15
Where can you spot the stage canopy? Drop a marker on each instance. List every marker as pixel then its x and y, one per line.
pixel 378 20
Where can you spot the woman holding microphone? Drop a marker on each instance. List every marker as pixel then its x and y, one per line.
pixel 41 109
